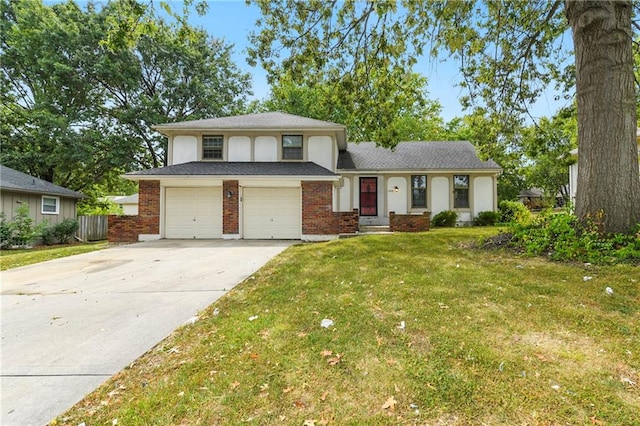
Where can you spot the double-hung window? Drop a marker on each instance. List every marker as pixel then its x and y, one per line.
pixel 50 205
pixel 461 191
pixel 292 147
pixel 212 147
pixel 419 191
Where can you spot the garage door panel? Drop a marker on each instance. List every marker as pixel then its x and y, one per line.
pixel 272 213
pixel 193 213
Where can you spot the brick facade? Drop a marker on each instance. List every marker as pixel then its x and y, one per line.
pixel 347 222
pixel 318 217
pixel 409 222
pixel 230 207
pixel 128 228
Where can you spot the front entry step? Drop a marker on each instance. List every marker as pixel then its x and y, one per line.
pixel 375 229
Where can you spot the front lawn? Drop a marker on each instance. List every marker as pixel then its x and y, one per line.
pixel 15 258
pixel 426 331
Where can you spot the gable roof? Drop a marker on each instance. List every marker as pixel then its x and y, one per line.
pixel 14 180
pixel 215 168
pixel 447 155
pixel 260 121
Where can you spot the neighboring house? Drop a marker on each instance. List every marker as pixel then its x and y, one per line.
pixel 281 176
pixel 532 198
pixel 46 201
pixel 573 169
pixel 128 203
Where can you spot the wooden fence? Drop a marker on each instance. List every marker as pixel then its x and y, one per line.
pixel 92 228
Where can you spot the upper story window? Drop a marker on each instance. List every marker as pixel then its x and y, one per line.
pixel 292 147
pixel 419 191
pixel 50 205
pixel 461 191
pixel 212 147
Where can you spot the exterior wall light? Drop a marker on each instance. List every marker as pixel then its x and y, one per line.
pixel 229 194
pixel 396 189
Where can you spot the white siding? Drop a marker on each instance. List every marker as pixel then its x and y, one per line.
pixel 239 148
pixel 320 151
pixel 345 195
pixel 185 149
pixel 482 194
pixel 266 148
pixel 440 194
pixel 397 201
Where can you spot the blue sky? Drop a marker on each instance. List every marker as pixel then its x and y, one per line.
pixel 233 20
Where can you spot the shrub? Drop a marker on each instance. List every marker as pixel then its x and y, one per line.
pixel 65 230
pixel 5 231
pixel 22 229
pixel 562 237
pixel 487 218
pixel 48 237
pixel 446 218
pixel 514 211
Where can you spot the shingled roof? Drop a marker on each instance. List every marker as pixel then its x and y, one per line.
pixel 447 155
pixel 212 168
pixel 256 122
pixel 13 180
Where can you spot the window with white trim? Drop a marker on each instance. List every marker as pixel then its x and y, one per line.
pixel 50 205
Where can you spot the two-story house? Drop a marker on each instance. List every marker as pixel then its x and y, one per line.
pixel 280 176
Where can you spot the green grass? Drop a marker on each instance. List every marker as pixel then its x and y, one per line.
pixel 489 338
pixel 15 258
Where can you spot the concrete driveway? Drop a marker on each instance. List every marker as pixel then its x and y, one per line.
pixel 69 324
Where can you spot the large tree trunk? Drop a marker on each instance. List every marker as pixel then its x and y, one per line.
pixel 608 177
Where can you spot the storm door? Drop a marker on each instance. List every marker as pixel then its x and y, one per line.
pixel 368 196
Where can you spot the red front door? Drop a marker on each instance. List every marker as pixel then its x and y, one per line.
pixel 368 196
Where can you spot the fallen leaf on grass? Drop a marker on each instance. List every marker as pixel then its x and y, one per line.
pixel 309 423
pixel 390 403
pixel 298 403
pixel 254 356
pixel 542 358
pixel 235 384
pixel 334 360
pixel 287 390
pixel 326 353
pixel 323 397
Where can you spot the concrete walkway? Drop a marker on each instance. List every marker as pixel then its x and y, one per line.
pixel 69 324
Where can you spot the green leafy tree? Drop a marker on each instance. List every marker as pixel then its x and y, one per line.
pixel 509 52
pixel 547 146
pixel 496 138
pixel 77 108
pixel 416 118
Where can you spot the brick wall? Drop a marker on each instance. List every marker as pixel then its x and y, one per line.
pixel 409 222
pixel 127 228
pixel 347 222
pixel 318 217
pixel 230 207
pixel 317 211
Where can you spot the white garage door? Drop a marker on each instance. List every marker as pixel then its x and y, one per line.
pixel 193 213
pixel 272 213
